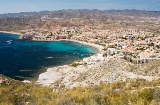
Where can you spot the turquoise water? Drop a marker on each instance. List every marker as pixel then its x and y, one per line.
pixel 24 59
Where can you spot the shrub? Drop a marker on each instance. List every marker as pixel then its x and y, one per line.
pixel 75 64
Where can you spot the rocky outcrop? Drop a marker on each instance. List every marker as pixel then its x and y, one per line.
pixel 6 80
pixel 110 70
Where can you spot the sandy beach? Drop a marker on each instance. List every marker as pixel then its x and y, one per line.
pixel 11 32
pixel 98 47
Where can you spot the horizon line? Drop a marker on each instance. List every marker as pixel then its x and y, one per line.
pixel 78 9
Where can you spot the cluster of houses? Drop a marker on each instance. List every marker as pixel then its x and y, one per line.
pixel 133 43
pixel 44 35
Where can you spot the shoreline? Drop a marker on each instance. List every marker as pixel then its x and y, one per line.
pixel 68 76
pixel 98 47
pixel 55 74
pixel 11 32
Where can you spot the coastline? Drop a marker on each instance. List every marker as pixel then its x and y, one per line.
pixel 52 75
pixel 98 47
pixel 68 76
pixel 88 74
pixel 11 32
pixel 66 72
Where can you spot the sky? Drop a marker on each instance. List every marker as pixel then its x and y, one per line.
pixel 15 6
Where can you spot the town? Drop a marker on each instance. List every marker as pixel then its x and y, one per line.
pixel 134 45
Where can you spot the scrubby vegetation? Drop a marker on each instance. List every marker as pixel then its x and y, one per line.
pixel 131 92
pixel 75 64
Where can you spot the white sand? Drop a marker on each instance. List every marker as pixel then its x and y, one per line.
pixel 49 77
pixel 99 47
pixel 64 73
pixel 11 32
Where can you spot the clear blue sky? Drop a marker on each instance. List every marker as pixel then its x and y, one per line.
pixel 14 6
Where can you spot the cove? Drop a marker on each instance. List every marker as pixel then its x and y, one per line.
pixel 26 59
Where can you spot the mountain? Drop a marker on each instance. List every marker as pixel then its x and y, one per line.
pixel 85 12
pixel 106 19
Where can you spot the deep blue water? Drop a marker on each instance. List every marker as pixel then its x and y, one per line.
pixel 24 59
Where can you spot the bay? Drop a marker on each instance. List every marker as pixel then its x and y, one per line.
pixel 26 59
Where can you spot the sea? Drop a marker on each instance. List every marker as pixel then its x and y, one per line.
pixel 26 59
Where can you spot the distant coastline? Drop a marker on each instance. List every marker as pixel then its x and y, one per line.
pixel 11 32
pixel 98 47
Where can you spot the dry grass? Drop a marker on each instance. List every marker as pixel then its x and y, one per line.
pixel 132 92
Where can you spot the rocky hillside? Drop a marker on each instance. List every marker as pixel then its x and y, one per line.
pixel 8 81
pixel 133 92
pixel 136 90
pixel 147 69
pixel 108 71
pixel 108 19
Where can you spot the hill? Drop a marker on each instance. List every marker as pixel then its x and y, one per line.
pixel 131 92
pixel 136 91
pixel 109 19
